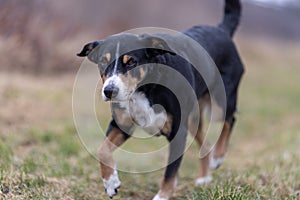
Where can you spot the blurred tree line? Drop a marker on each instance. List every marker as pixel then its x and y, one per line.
pixel 34 37
pixel 42 36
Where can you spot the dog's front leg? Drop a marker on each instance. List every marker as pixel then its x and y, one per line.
pixel 114 139
pixel 168 184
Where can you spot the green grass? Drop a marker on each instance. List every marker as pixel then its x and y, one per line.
pixel 41 156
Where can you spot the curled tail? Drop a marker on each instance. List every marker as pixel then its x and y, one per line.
pixel 231 17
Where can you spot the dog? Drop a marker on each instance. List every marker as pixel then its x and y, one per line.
pixel 132 103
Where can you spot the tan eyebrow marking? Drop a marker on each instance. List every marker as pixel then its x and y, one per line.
pixel 108 56
pixel 126 58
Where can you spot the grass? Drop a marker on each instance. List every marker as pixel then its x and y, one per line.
pixel 41 156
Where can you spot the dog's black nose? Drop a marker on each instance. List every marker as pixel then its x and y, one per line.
pixel 111 91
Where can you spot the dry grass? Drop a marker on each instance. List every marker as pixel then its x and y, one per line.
pixel 41 156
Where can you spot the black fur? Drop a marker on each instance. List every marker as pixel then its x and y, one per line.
pixel 231 18
pixel 216 41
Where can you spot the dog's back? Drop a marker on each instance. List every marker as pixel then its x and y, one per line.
pixel 217 41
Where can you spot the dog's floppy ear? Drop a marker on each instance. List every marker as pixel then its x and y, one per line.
pixel 87 48
pixel 157 43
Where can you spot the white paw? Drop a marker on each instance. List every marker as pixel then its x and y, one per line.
pixel 112 184
pixel 157 197
pixel 203 180
pixel 214 163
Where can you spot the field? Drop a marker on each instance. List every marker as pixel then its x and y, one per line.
pixel 41 156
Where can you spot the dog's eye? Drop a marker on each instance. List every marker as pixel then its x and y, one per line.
pixel 131 62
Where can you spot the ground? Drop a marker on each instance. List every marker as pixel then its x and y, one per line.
pixel 41 156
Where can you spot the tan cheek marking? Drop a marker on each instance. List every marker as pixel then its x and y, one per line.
pixel 126 58
pixel 108 56
pixel 129 81
pixel 167 128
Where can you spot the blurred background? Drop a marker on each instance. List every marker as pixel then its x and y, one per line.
pixel 39 40
pixel 39 36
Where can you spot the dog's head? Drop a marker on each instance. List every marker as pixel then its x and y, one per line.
pixel 119 59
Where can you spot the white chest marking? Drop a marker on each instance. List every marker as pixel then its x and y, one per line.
pixel 143 114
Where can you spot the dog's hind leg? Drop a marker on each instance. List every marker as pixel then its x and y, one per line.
pixel 231 83
pixel 204 176
pixel 177 146
pixel 217 157
pixel 195 128
pixel 115 138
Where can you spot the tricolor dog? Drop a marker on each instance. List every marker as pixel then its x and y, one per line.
pixel 133 102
